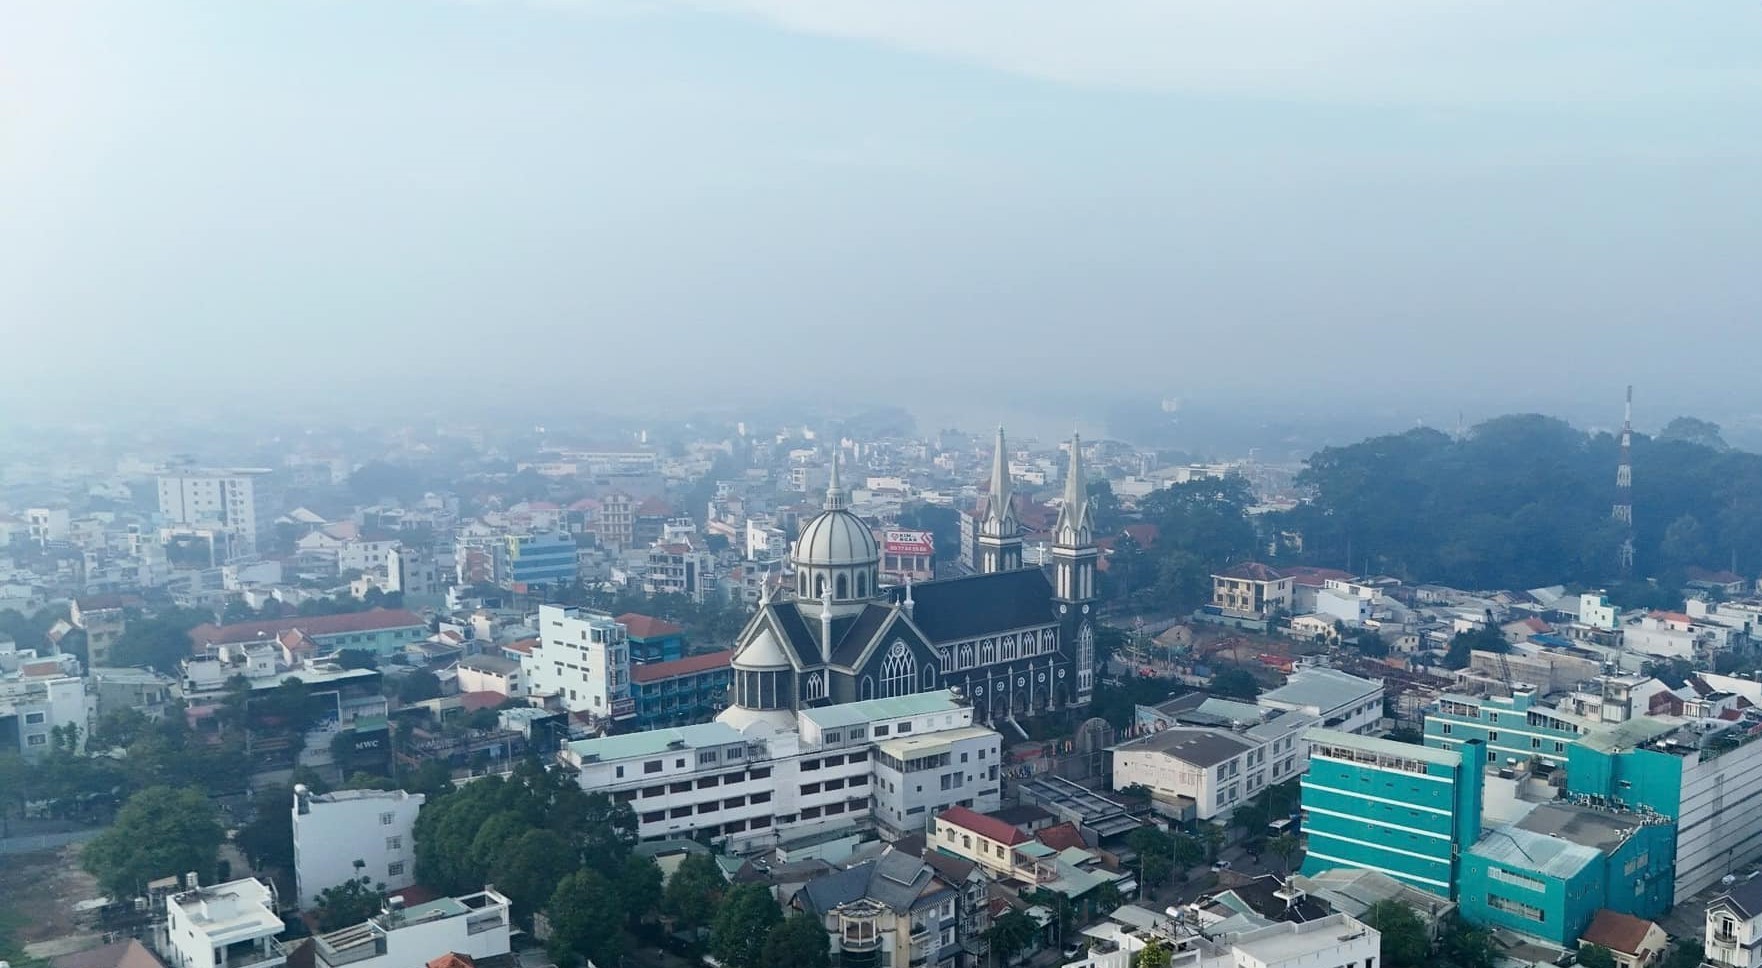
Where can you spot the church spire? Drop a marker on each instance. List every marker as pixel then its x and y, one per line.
pixel 835 498
pixel 1000 537
pixel 1000 516
pixel 1075 525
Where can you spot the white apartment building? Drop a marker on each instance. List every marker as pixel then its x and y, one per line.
pixel 46 525
pixel 237 502
pixel 580 663
pixel 490 673
pixel 36 696
pixel 366 554
pixel 1596 611
pixel 1339 700
pixel 475 925
pixel 1211 771
pixel 414 574
pixel 231 925
pixel 332 831
pixel 841 766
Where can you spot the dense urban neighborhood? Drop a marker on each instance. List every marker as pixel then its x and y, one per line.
pixel 847 695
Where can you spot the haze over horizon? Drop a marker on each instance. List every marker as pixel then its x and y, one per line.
pixel 1363 206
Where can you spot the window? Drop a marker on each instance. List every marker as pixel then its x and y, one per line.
pixel 385 819
pixel 963 757
pixel 1522 910
pixel 859 757
pixel 904 728
pixel 35 719
pixel 679 764
pixel 652 766
pixel 708 807
pixel 395 869
pixel 832 761
pixel 807 765
pixel 859 732
pixel 1492 735
pixel 809 789
pixel 834 785
pixel 37 739
pixel 679 812
pixel 810 813
pixel 833 736
pixel 733 802
pixel 706 757
pixel 394 843
pixel 759 773
pixel 763 796
pixel 620 772
pixel 857 781
pixel 761 822
pixel 706 782
pixel 881 731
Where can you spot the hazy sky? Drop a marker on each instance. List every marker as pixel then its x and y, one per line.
pixel 266 203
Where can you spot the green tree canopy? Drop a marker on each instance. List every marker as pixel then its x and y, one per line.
pixel 798 942
pixel 1010 934
pixel 1405 943
pixel 587 918
pixel 267 841
pixel 161 832
pixel 694 890
pixel 1234 682
pixel 348 904
pixel 639 884
pixel 743 923
pixel 529 867
pixel 1596 956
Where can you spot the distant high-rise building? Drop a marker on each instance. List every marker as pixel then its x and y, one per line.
pixel 239 502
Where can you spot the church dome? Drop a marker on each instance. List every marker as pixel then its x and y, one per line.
pixel 836 537
pixel 762 652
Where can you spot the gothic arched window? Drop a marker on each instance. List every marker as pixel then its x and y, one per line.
pixel 862 584
pixel 815 687
pixel 987 651
pixel 819 586
pixel 898 671
pixel 966 656
pixel 929 679
pixel 843 587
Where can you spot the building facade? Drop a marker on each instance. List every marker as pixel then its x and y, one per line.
pixel 477 926
pixel 334 831
pixel 239 502
pixel 681 692
pixel 756 788
pixel 1407 811
pixel 1211 771
pixel 580 663
pixel 1507 727
pixel 1338 700
pixel 540 559
pixel 231 925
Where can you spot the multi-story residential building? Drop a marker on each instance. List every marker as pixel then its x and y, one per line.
pixel 143 690
pixel 893 910
pixel 39 696
pixel 987 841
pixel 103 618
pixel 682 567
pixel 477 926
pixel 365 554
pixel 381 631
pixel 1708 780
pixel 615 524
pixel 1207 772
pixel 1252 590
pixel 45 526
pixel 764 785
pixel 1733 936
pixel 581 663
pixel 1337 699
pixel 240 502
pixel 413 573
pixel 682 691
pixel 1548 874
pixel 652 639
pixel 231 925
pixel 333 832
pixel 539 559
pixel 1407 811
pixel 1512 727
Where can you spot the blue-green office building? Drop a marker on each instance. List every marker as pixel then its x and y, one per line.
pixel 1408 811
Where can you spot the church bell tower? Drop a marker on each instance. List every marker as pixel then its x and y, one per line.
pixel 1073 572
pixel 1000 534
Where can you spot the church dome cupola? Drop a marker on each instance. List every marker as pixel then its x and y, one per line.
pixel 836 558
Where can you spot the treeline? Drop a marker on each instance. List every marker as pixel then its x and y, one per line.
pixel 1524 500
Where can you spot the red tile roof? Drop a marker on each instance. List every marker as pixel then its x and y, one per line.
pixel 1315 577
pixel 990 828
pixel 313 625
pixel 1062 836
pixel 1616 931
pixel 452 959
pixel 1252 571
pixel 690 665
pixel 1673 617
pixel 642 626
pixel 524 645
pixel 47 668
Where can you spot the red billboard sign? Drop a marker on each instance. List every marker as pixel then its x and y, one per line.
pixel 908 543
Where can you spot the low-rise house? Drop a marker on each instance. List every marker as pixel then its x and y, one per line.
pixel 476 926
pixel 231 925
pixel 490 673
pixel 1635 942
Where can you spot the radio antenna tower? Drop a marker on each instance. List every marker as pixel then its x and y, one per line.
pixel 1623 511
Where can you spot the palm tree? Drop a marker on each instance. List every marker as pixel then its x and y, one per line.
pixel 1284 846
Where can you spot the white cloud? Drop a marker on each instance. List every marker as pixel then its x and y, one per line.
pixel 1377 51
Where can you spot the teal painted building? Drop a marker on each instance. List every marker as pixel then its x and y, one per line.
pixel 1546 875
pixel 1628 766
pixel 1508 727
pixel 1407 811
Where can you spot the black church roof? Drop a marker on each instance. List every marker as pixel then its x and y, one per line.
pixel 951 609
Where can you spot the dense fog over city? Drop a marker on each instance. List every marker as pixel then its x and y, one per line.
pixel 1374 211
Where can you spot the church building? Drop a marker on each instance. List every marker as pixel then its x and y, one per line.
pixel 1015 641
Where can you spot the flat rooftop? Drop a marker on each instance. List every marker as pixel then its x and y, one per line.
pixel 1198 746
pixel 1383 747
pixel 1602 830
pixel 1323 689
pixel 870 710
pixel 654 742
pixel 923 744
